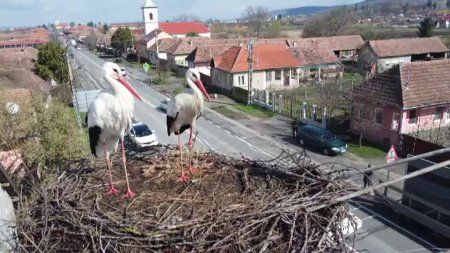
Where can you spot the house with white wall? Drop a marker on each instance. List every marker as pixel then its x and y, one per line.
pixel 377 56
pixel 274 67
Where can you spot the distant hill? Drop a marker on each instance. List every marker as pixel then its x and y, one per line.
pixel 306 10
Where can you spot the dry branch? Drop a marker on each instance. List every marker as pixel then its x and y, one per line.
pixel 231 206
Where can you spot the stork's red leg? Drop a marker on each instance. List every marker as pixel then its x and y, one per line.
pixel 191 145
pixel 112 189
pixel 129 193
pixel 183 177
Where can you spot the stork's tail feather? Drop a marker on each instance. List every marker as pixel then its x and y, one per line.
pixel 94 136
pixel 169 122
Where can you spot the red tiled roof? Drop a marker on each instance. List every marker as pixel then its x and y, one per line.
pixel 22 42
pixel 183 27
pixel 403 47
pixel 265 56
pixel 163 45
pixel 425 83
pixel 410 85
pixel 335 43
pixel 310 53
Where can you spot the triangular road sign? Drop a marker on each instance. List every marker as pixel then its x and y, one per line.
pixel 391 154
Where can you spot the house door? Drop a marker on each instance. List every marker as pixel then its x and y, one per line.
pixel 287 77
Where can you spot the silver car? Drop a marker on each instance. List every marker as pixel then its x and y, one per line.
pixel 141 135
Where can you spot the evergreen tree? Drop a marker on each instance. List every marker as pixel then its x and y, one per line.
pixel 435 5
pixel 426 27
pixel 429 4
pixel 447 4
pixel 51 63
pixel 122 38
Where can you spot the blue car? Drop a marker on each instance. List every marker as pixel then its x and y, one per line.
pixel 321 139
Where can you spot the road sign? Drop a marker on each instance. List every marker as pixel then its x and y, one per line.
pixel 391 155
pixel 146 67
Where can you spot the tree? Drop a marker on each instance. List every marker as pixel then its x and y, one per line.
pixel 105 28
pixel 429 4
pixel 256 17
pixel 405 8
pixel 72 24
pixel 274 30
pixel 46 28
pixel 426 27
pixel 356 7
pixel 192 34
pixel 91 24
pixel 279 17
pixel 122 38
pixel 330 24
pixel 447 4
pixel 187 18
pixel 51 63
pixel 434 5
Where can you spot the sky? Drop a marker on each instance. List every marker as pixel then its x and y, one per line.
pixel 18 13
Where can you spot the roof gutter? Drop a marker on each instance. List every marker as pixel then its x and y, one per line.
pixel 425 106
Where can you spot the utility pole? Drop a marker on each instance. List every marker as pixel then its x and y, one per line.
pixel 250 71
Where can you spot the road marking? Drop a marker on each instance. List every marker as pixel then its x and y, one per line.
pixel 430 245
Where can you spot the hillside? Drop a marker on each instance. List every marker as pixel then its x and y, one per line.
pixel 307 10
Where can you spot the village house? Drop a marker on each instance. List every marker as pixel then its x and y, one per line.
pixel 155 30
pixel 157 53
pixel 345 47
pixel 274 67
pixel 406 99
pixel 22 43
pixel 179 51
pixel 377 56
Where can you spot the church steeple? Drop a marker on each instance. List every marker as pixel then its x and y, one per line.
pixel 150 12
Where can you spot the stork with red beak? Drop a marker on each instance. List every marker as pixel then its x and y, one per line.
pixel 108 116
pixel 183 111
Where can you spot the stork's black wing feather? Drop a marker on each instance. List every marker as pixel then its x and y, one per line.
pixel 94 136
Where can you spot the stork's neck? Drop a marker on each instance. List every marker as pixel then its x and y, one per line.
pixel 194 87
pixel 118 88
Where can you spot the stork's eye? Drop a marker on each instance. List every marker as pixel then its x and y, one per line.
pixel 195 76
pixel 115 70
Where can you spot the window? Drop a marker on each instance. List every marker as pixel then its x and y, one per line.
pixel 151 16
pixel 395 121
pixel 241 80
pixel 268 76
pixel 277 74
pixel 439 113
pixel 412 117
pixel 378 116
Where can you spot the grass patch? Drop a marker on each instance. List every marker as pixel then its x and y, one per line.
pixel 158 81
pixel 366 151
pixel 227 112
pixel 255 111
pixel 178 90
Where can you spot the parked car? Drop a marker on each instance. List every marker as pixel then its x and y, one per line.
pixel 141 135
pixel 163 105
pixel 124 73
pixel 321 139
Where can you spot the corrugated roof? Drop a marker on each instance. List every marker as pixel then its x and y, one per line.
pixel 410 46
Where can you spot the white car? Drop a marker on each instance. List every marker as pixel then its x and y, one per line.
pixel 164 103
pixel 141 135
pixel 124 73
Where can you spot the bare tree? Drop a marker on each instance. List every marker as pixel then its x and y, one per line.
pixel 256 18
pixel 330 24
pixel 187 18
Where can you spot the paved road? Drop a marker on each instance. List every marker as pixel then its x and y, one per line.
pixel 222 135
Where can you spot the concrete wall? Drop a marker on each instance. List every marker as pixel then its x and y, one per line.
pixel 425 120
pixel 207 35
pixel 222 79
pixel 387 63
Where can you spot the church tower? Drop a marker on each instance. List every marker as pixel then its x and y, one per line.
pixel 150 12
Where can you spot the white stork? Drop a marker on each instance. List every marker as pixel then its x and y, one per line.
pixel 108 116
pixel 183 111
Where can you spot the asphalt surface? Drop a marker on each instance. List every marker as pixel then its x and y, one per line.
pixel 382 230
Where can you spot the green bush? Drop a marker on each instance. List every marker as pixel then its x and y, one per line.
pixel 240 94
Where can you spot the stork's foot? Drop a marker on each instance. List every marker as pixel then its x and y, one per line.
pixel 192 170
pixel 183 178
pixel 113 190
pixel 129 194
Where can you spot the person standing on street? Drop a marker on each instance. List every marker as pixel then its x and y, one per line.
pixel 368 177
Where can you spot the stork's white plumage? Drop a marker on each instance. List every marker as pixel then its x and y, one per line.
pixel 184 110
pixel 109 115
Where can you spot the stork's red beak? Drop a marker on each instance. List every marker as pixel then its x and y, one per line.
pixel 202 89
pixel 129 87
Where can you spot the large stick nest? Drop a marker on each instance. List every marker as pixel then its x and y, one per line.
pixel 231 205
